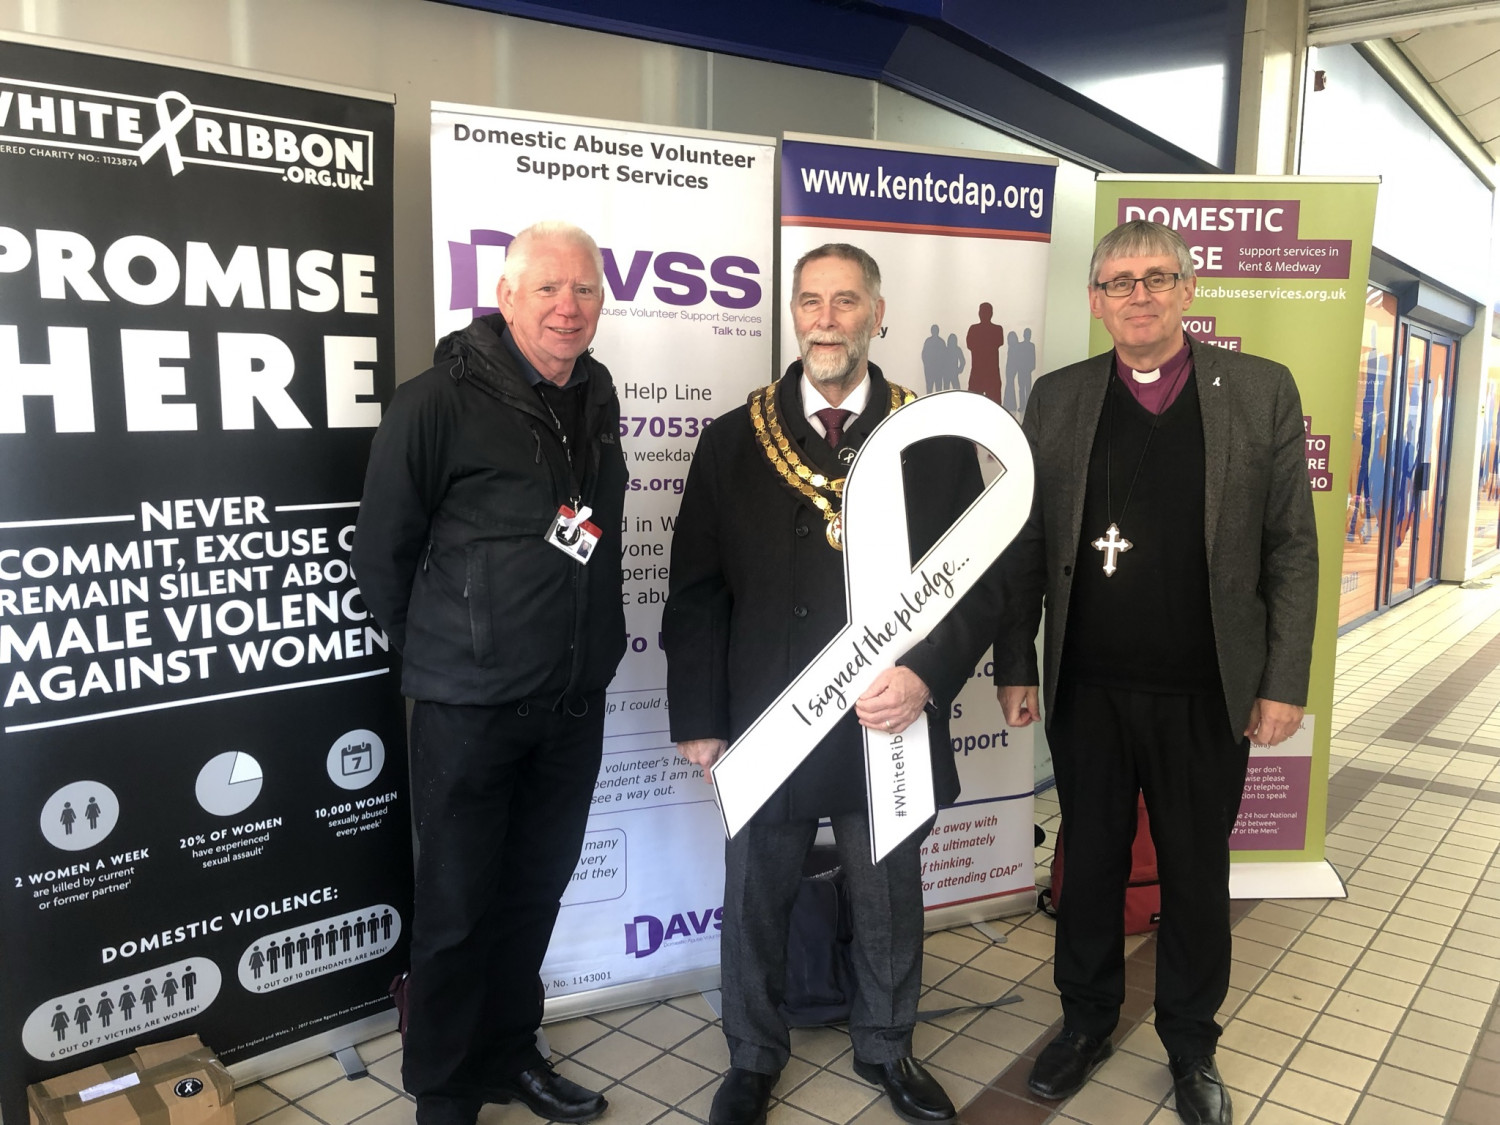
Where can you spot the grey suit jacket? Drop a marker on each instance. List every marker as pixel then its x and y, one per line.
pixel 1261 540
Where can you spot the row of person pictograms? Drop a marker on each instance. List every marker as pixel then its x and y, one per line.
pixel 282 956
pixel 125 1003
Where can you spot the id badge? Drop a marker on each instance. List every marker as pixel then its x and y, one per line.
pixel 573 534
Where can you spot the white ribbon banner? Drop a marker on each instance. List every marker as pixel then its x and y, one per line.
pixel 891 606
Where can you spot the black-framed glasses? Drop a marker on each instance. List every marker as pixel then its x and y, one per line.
pixel 1125 286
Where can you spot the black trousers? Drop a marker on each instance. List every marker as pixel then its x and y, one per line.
pixel 1180 751
pixel 501 797
pixel 763 872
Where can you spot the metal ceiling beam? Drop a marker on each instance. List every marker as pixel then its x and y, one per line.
pixel 1331 22
pixel 1398 70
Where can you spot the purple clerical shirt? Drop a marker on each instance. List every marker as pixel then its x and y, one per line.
pixel 1161 392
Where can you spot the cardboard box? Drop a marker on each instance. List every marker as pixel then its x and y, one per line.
pixel 178 1082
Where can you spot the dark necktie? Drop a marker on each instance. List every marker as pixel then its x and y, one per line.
pixel 833 421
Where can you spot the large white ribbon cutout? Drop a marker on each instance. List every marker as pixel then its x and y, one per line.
pixel 891 606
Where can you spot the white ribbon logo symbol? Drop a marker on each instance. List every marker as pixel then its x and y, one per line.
pixel 891 606
pixel 168 125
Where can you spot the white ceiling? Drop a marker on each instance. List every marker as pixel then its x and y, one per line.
pixel 1455 46
pixel 1462 63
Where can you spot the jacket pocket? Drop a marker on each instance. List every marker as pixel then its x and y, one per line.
pixel 477 600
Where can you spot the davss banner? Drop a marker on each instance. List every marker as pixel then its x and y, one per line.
pixel 205 823
pixel 962 241
pixel 1281 266
pixel 684 223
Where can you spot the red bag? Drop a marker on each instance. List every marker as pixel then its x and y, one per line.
pixel 1142 892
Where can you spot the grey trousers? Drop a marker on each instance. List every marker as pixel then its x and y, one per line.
pixel 763 869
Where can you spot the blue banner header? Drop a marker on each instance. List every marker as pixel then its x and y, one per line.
pixel 893 189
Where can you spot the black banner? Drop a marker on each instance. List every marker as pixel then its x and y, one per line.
pixel 204 816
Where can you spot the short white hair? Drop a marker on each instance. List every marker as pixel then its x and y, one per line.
pixel 518 252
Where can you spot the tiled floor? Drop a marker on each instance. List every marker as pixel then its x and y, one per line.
pixel 1376 1010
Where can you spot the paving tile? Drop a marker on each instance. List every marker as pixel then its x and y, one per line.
pixel 1003 1028
pixel 952 947
pixel 387 1070
pixel 255 1101
pixel 628 1107
pixel 1269 1113
pixel 616 1054
pixel 1425 1058
pixel 707 1049
pixel 568 1036
pixel 338 1103
pixel 304 1079
pixel 973 1059
pixel 1333 1065
pixel 670 1079
pixel 1418 1091
pixel 832 1096
pixel 379 1047
pixel 1293 990
pixel 1317 1096
pixel 1366 1011
pixel 664 1026
pixel 1277 1015
pixel 1361 982
pixel 397 1111
pixel 993 1107
pixel 1459 1009
pixel 1240 1072
pixel 819 1045
pixel 1378 1111
pixel 1439 1032
pixel 1257 1042
pixel 289 1115
pixel 1097 1104
pixel 1342 1035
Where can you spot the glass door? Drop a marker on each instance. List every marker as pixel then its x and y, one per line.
pixel 1373 405
pixel 1418 463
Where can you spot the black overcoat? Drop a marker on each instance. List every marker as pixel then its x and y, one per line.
pixel 756 592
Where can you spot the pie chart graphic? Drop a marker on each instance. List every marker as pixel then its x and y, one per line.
pixel 228 783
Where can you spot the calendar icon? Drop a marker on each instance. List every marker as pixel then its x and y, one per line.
pixel 356 759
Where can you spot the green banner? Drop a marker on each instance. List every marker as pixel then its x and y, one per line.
pixel 1282 264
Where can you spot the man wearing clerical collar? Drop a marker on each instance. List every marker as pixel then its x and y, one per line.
pixel 757 591
pixel 1172 537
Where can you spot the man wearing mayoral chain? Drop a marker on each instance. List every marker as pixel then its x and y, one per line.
pixel 757 591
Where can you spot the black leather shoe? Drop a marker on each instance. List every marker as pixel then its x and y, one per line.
pixel 441 1109
pixel 1066 1063
pixel 548 1094
pixel 1201 1096
pixel 915 1095
pixel 742 1098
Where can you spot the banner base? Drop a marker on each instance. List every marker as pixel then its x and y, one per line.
pixel 967 913
pixel 1296 879
pixel 315 1047
pixel 625 995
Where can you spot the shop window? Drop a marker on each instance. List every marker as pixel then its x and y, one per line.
pixel 1487 495
pixel 1364 516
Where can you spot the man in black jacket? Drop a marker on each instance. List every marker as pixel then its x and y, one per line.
pixel 757 590
pixel 488 548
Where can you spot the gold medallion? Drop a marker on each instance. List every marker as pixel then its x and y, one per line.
pixel 823 493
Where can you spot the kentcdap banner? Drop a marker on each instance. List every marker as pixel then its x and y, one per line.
pixel 962 241
pixel 684 221
pixel 1281 265
pixel 204 816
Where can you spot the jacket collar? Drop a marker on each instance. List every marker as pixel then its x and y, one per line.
pixel 479 354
